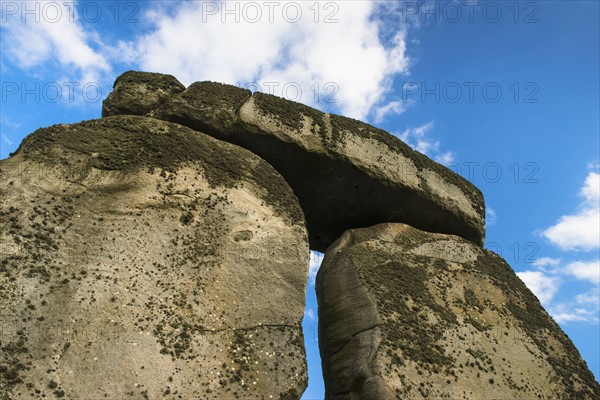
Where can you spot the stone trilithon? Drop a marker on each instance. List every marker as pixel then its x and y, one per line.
pixel 161 251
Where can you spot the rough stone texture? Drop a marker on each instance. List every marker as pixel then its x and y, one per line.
pixel 346 173
pixel 137 93
pixel 141 259
pixel 408 314
pixel 208 107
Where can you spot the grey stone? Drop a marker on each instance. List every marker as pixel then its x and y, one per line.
pixel 410 314
pixel 346 174
pixel 142 259
pixel 137 93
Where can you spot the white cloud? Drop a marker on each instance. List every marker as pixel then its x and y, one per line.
pixel 3 67
pixel 591 189
pixel 315 263
pixel 490 216
pixel 6 139
pixel 419 139
pixel 7 122
pixel 391 108
pixel 548 264
pixel 589 270
pixel 309 313
pixel 584 308
pixel 542 285
pixel 581 230
pixel 445 158
pixel 591 297
pixel 547 280
pixel 573 315
pixel 345 61
pixel 546 261
pixel 52 35
pixel 7 125
pixel 334 55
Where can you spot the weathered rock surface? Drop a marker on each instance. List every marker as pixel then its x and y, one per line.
pixel 142 259
pixel 138 93
pixel 408 314
pixel 346 173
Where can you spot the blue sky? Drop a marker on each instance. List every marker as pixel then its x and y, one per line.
pixel 504 93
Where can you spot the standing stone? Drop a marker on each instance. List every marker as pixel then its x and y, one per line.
pixel 408 314
pixel 141 259
pixel 346 173
pixel 137 93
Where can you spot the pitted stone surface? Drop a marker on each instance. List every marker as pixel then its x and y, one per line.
pixel 142 256
pixel 346 174
pixel 142 259
pixel 137 93
pixel 408 314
